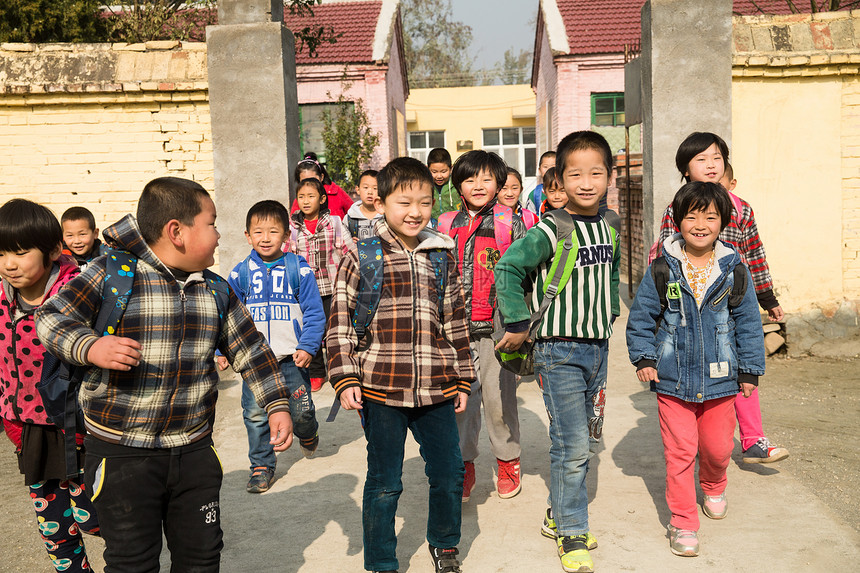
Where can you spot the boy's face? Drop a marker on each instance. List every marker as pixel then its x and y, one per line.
pixel 78 236
pixel 545 165
pixel 708 166
pixel 407 210
pixel 585 179
pixel 555 196
pixel 25 268
pixel 309 201
pixel 479 190
pixel 367 191
pixel 700 230
pixel 510 193
pixel 440 172
pixel 266 236
pixel 200 239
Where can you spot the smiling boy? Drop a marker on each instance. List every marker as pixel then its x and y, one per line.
pixel 412 368
pixel 572 339
pixel 80 235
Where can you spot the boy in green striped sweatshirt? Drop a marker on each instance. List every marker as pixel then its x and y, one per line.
pixel 572 339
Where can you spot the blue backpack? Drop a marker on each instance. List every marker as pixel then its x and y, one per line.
pixel 294 277
pixel 60 380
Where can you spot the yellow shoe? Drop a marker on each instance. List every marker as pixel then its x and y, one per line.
pixel 548 529
pixel 574 555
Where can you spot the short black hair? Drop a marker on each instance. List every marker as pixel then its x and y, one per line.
pixel 268 209
pixel 439 155
pixel 400 172
pixel 579 141
pixel 694 144
pixel 167 198
pixel 548 178
pixel 308 164
pixel 515 173
pixel 320 188
pixel 473 162
pixel 730 173
pixel 544 155
pixel 79 214
pixel 698 196
pixel 368 173
pixel 26 225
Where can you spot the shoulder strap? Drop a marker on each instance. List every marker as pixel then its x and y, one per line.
pixel 439 259
pixel 738 205
pixel 352 225
pixel 244 278
pixel 119 280
pixel 567 243
pixel 445 222
pixel 370 263
pixel 739 288
pixel 294 276
pixel 220 290
pixel 503 226
pixel 660 274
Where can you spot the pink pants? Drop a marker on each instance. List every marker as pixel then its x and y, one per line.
pixel 748 411
pixel 688 428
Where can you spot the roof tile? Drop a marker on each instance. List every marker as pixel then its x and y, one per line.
pixel 355 20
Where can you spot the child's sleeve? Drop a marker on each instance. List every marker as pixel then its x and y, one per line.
pixel 753 252
pixel 313 315
pixel 250 355
pixel 64 322
pixel 749 337
pixel 456 326
pixel 513 270
pixel 341 339
pixel 642 324
pixel 346 233
pixel 667 226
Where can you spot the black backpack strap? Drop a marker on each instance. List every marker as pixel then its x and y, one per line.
pixel 220 289
pixel 371 271
pixel 439 259
pixel 660 274
pixel 739 288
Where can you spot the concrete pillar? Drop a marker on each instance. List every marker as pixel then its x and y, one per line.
pixel 254 112
pixel 686 86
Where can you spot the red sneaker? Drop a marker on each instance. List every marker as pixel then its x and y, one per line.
pixel 316 384
pixel 468 480
pixel 509 483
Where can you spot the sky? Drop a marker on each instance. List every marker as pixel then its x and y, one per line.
pixel 496 26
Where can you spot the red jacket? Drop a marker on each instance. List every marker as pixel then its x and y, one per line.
pixel 339 201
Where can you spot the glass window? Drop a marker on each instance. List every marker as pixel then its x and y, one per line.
pixel 491 137
pixel 421 142
pixel 607 109
pixel 311 127
pixel 516 145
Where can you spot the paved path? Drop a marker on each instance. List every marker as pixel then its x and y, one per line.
pixel 310 521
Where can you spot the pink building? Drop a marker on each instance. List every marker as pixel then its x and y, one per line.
pixel 365 63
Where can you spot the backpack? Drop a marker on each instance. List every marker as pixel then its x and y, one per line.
pixel 667 290
pixel 503 225
pixel 61 381
pixel 521 361
pixel 291 262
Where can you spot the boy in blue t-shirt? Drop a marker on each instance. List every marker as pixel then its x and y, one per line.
pixel 281 293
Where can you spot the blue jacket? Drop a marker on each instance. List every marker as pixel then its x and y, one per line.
pixel 287 323
pixel 699 353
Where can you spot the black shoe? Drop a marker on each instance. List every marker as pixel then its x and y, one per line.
pixel 445 560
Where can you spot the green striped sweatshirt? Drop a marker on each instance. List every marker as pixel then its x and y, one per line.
pixel 584 308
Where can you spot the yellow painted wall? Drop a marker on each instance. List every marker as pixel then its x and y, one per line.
pixel 463 112
pixel 787 141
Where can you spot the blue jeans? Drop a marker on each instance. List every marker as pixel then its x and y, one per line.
pixel 572 375
pixel 302 411
pixel 435 430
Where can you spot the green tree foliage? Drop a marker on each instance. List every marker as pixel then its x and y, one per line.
pixel 436 46
pixel 51 21
pixel 348 140
pixel 311 36
pixel 514 68
pixel 146 20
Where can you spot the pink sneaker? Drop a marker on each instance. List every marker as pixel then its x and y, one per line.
pixel 509 483
pixel 715 506
pixel 468 480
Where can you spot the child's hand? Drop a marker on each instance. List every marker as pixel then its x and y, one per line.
pixel 302 359
pixel 350 399
pixel 747 389
pixel 460 402
pixel 776 314
pixel 114 353
pixel 355 239
pixel 222 362
pixel 280 430
pixel 511 341
pixel 647 374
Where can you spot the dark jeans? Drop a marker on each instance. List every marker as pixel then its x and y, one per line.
pixel 302 411
pixel 138 491
pixel 435 430
pixel 317 368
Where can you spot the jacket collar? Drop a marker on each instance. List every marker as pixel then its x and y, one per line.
pixel 428 239
pixel 726 255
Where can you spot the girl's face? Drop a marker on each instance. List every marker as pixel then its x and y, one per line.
pixel 708 166
pixel 700 230
pixel 510 193
pixel 25 270
pixel 309 201
pixel 309 174
pixel 555 196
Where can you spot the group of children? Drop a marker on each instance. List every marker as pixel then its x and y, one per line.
pixel 405 313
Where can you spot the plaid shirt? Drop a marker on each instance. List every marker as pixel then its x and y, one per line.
pixel 408 357
pixel 322 249
pixel 742 233
pixel 169 399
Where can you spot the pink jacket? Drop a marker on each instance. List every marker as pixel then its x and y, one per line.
pixel 21 364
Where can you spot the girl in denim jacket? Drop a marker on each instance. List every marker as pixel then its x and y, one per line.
pixel 696 354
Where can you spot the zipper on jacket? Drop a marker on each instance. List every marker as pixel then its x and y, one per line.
pixel 414 327
pixel 183 298
pixel 18 385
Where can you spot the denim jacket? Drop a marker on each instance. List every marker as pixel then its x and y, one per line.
pixel 699 353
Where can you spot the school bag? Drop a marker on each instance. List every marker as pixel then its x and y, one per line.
pixel 291 262
pixel 503 225
pixel 521 361
pixel 61 381
pixel 667 290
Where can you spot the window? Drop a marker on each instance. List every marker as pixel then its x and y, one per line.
pixel 607 109
pixel 311 127
pixel 516 145
pixel 421 142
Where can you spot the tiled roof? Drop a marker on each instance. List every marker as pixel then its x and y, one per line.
pixel 355 20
